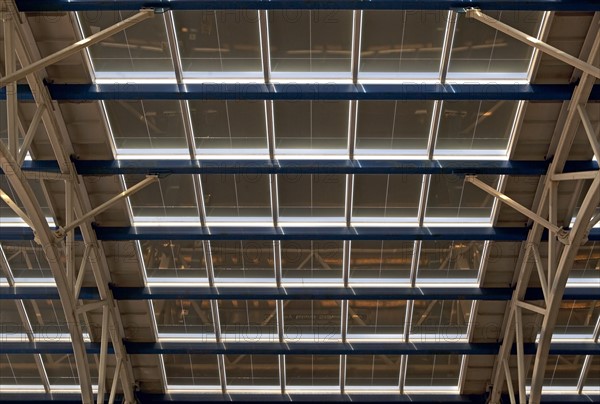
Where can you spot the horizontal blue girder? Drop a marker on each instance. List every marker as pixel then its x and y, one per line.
pixel 23 93
pixel 129 233
pixel 82 5
pixel 483 167
pixel 295 293
pixel 321 347
pixel 314 91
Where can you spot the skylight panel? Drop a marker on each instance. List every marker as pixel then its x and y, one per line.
pixel 450 200
pixel 248 320
pixel 386 199
pixel 310 128
pixel 170 200
pixel 440 320
pixel 141 51
pixel 219 44
pixel 480 127
pixel 310 43
pixel 480 52
pixel 167 259
pixel 184 317
pixel 577 318
pixel 252 371
pixel 19 370
pixel 586 267
pixel 374 262
pixel 192 371
pixel 312 321
pixel 26 260
pixel 62 371
pixel 237 197
pixel 317 371
pixel 376 319
pixel 243 262
pixel 311 261
pixel 427 372
pixel 402 44
pixel 372 371
pixel 448 262
pixel 147 128
pixel 222 128
pixel 394 128
pixel 561 373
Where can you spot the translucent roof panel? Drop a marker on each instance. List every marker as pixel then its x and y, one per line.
pixel 449 262
pixel 402 44
pixel 192 370
pixel 376 319
pixel 311 261
pixel 142 128
pixel 171 199
pixel 19 370
pixel 174 260
pixel 312 320
pixel 482 52
pixel 577 318
pixel 311 197
pixel 315 371
pixel 393 128
pixel 258 371
pixel 386 199
pixel 8 217
pixel 310 43
pixel 224 43
pixel 451 200
pixel 26 259
pixel 372 371
pixel 237 198
pixel 561 371
pixel 592 381
pixel 62 371
pixel 475 128
pixel 374 261
pixel 316 128
pixel 429 371
pixel 586 267
pixel 243 261
pixel 47 319
pixel 141 51
pixel 225 128
pixel 190 317
pixel 440 320
pixel 248 320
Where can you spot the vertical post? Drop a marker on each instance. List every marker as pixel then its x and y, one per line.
pixel 552 239
pixel 10 64
pixel 103 355
pixel 520 354
pixel 115 381
pixel 511 390
pixel 70 236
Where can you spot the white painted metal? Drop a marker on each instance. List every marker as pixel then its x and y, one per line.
pixel 511 390
pixel 540 270
pixel 581 175
pixel 81 273
pixel 10 65
pixel 103 356
pixel 15 208
pixel 76 47
pixel 33 126
pixel 533 41
pixel 589 130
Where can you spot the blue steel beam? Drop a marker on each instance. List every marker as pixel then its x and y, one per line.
pixel 295 233
pixel 85 5
pixel 314 91
pixel 295 293
pixel 298 348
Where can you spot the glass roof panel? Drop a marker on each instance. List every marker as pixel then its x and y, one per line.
pixel 376 319
pixel 19 370
pixel 592 380
pixel 192 370
pixel 444 262
pixel 47 319
pixel 141 51
pixel 586 267
pixel 248 320
pixel 243 261
pixel 8 217
pixel 451 200
pixel 405 44
pixel 237 197
pixel 221 43
pixel 396 128
pixel 311 197
pixel 304 261
pixel 440 320
pixel 312 320
pixel 62 371
pixel 475 127
pixel 432 371
pixel 310 127
pixel 386 199
pixel 372 370
pixel 374 261
pixel 167 259
pixel 311 43
pixel 252 370
pixel 483 52
pixel 222 128
pixel 184 317
pixel 26 259
pixel 171 199
pixel 577 318
pixel 312 370
pixel 142 128
pixel 561 371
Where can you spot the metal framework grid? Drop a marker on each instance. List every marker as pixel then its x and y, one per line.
pixel 563 244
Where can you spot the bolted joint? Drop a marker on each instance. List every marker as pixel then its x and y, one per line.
pixel 60 234
pixel 563 236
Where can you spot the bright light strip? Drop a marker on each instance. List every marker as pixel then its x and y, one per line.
pixel 70 388
pixel 152 154
pixel 182 282
pixel 429 389
pixel 35 282
pixel 22 388
pixel 193 389
pixel 124 79
pixel 192 337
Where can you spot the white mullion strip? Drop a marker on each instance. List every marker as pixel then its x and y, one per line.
pixel 173 45
pixel 483 264
pixel 352 120
pixel 265 46
pixel 342 380
pixel 282 374
pixel 349 199
pixel 496 203
pixel 436 116
pixel 274 191
pixel 402 376
pixel 542 35
pixel 462 375
pixel 357 16
pixel 515 129
pixel 447 44
pixel 346 262
pixel 424 195
pixel 587 362
pixel 277 263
